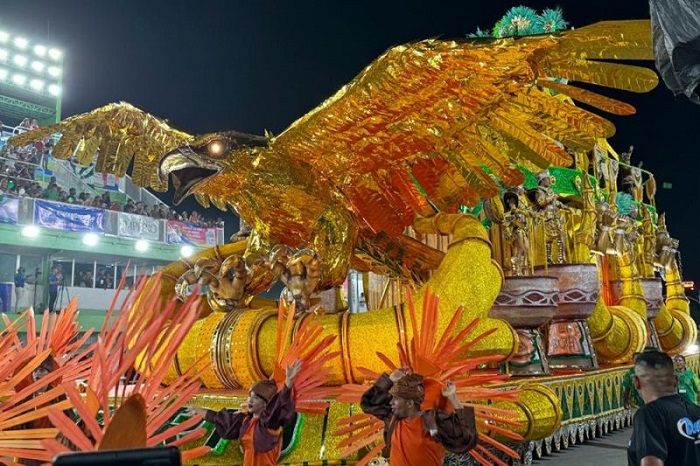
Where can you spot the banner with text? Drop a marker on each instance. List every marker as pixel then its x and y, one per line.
pixel 138 226
pixel 9 208
pixel 68 217
pixel 186 233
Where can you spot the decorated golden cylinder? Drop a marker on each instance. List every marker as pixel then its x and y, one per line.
pixel 617 332
pixel 675 327
pixel 240 344
pixel 628 290
pixel 538 411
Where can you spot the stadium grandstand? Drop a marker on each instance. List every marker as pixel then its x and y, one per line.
pixel 61 219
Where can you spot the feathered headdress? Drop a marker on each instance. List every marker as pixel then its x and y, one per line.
pixel 437 360
pixel 314 354
pixel 524 21
pixel 625 203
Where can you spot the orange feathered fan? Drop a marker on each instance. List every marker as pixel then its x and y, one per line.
pixel 437 360
pixel 115 415
pixel 306 345
pixel 25 403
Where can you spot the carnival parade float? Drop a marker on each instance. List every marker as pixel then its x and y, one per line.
pixel 471 185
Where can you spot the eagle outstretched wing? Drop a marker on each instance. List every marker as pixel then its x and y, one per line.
pixel 113 135
pixel 429 125
pixel 435 118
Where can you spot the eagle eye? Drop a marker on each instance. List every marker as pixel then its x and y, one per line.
pixel 216 148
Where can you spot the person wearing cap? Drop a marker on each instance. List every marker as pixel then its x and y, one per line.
pixel 20 287
pixel 688 383
pixel 417 432
pixel 666 430
pixel 259 430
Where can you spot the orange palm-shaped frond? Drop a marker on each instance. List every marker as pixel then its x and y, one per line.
pixel 439 358
pixel 147 342
pixel 362 430
pixel 26 404
pixel 306 345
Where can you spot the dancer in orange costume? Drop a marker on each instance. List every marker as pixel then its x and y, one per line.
pixel 414 435
pixel 259 430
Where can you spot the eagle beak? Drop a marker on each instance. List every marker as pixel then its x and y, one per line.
pixel 187 170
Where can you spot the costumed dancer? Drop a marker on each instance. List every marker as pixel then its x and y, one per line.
pixel 304 357
pixel 259 429
pixel 414 435
pixel 420 417
pixel 546 199
pixel 516 232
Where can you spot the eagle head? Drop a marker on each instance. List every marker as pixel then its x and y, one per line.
pixel 206 156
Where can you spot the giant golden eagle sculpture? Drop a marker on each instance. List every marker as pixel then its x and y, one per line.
pixel 427 127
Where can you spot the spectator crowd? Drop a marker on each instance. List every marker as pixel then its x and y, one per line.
pixel 18 168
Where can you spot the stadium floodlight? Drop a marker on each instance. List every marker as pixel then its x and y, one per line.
pixel 55 54
pixel 4 73
pixel 186 251
pixel 55 89
pixel 40 50
pixel 4 55
pixel 20 42
pixel 19 79
pixel 38 66
pixel 30 231
pixel 91 239
pixel 54 71
pixel 20 60
pixel 36 84
pixel 141 245
pixel 4 37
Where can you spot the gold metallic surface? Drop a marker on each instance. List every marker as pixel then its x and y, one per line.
pixel 675 293
pixel 197 344
pixel 681 333
pixel 467 276
pixel 631 292
pixel 121 131
pixel 366 329
pixel 255 334
pixel 673 323
pixel 601 322
pixel 649 244
pixel 344 336
pixel 453 116
pixel 242 354
pixel 266 343
pixel 585 232
pixel 222 349
pixel 625 339
pixel 309 446
pixel 537 410
pixel 470 256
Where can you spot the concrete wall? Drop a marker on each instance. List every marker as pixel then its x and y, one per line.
pixel 89 298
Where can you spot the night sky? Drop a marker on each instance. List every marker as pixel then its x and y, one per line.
pixel 213 65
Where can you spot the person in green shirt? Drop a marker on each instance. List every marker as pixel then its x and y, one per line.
pixel 688 383
pixel 630 395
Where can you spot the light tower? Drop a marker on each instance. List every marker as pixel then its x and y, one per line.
pixel 31 78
